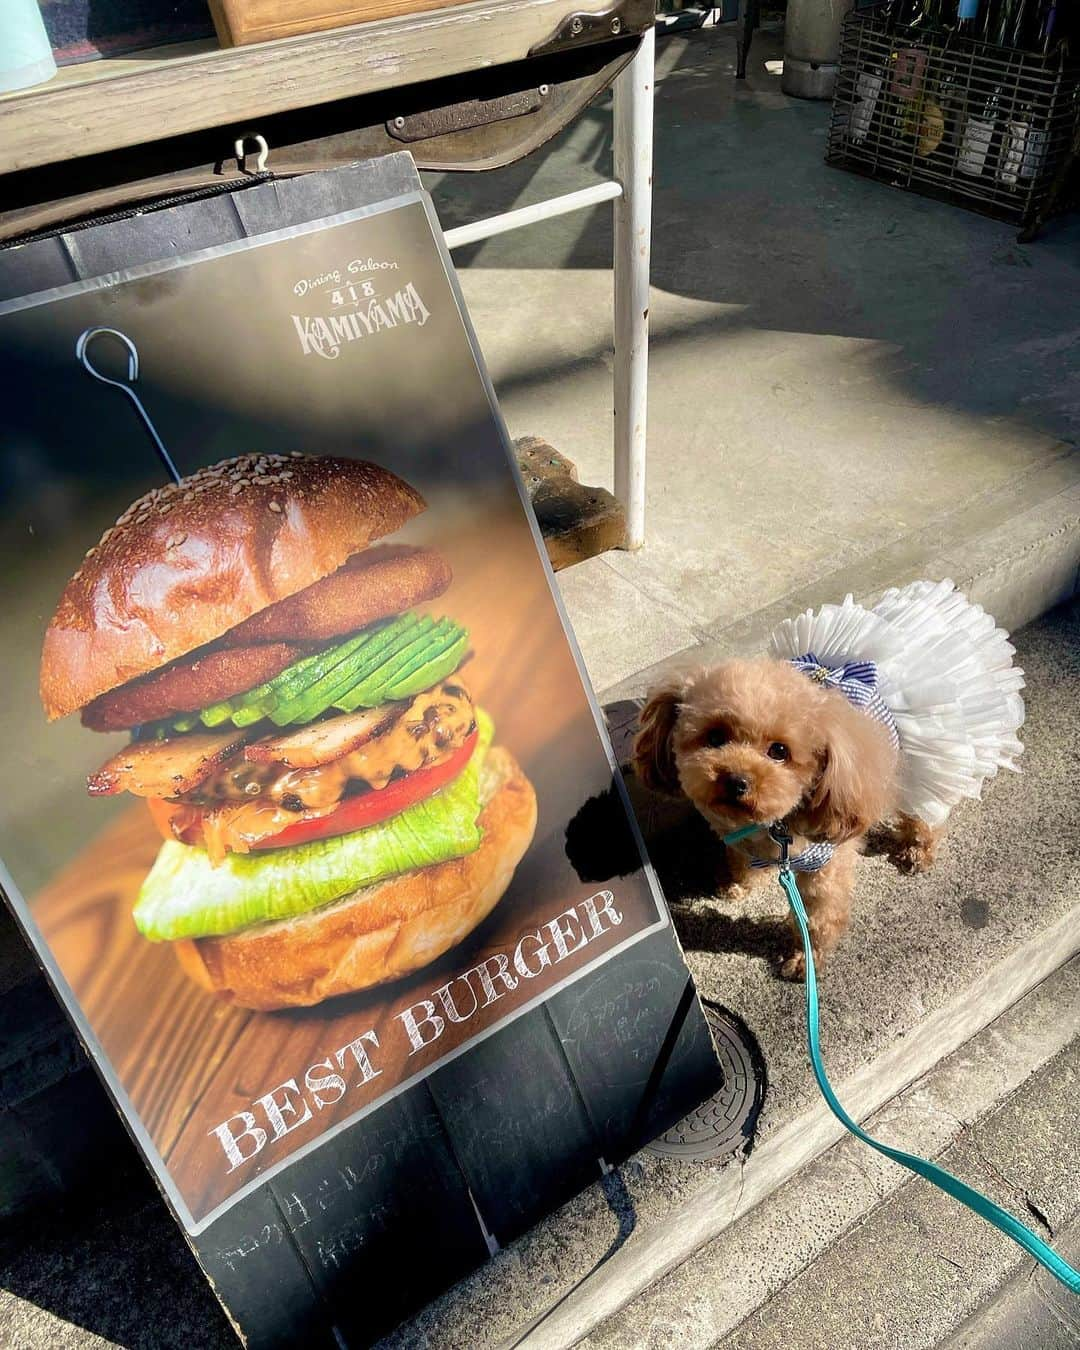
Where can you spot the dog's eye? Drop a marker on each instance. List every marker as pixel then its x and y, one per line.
pixel 778 750
pixel 716 737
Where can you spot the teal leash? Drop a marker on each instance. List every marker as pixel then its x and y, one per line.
pixel 938 1176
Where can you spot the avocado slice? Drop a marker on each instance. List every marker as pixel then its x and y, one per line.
pixel 367 693
pixel 252 713
pixel 447 634
pixel 302 675
pixel 308 702
pixel 438 668
pixel 373 691
pixel 315 701
pixel 294 679
pixel 221 712
pixel 254 705
pixel 216 713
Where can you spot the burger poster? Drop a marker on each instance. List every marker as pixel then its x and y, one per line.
pixel 297 737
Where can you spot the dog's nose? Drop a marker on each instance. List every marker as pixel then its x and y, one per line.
pixel 737 785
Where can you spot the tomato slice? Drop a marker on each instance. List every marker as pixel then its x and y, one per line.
pixel 162 812
pixel 354 813
pixel 368 808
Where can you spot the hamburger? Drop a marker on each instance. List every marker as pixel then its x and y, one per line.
pixel 333 812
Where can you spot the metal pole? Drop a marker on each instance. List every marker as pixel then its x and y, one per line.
pixel 812 46
pixel 633 140
pixel 530 215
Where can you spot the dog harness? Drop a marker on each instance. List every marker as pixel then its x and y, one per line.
pixel 811 859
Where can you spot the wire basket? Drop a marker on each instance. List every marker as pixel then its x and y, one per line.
pixel 991 128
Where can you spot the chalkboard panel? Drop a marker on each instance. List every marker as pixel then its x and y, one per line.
pixel 381 1217
pixel 633 1034
pixel 521 1135
pixel 255 1264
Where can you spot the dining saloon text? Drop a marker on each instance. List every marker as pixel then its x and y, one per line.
pixel 296 1101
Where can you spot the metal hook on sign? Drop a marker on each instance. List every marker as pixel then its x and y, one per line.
pixel 82 355
pixel 260 145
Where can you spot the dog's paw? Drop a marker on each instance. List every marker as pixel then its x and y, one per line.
pixel 910 845
pixel 732 890
pixel 913 859
pixel 794 968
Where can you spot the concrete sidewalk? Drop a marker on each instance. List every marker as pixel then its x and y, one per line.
pixel 847 382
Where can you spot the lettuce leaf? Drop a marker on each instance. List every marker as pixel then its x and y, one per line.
pixel 185 896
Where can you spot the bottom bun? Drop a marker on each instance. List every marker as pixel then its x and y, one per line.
pixel 381 932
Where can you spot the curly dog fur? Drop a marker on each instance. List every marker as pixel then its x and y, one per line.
pixel 757 741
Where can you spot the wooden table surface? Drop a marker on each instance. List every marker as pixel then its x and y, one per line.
pixel 99 106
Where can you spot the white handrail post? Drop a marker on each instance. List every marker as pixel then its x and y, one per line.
pixel 633 154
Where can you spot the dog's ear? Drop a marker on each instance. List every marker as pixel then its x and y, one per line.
pixel 653 754
pixel 856 785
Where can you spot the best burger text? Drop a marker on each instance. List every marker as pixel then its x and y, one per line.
pixel 293 1103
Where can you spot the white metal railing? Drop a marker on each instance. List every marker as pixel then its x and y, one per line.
pixel 631 193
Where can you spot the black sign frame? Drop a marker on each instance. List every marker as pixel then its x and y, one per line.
pixel 460 1163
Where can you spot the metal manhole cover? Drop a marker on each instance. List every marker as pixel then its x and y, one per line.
pixel 724 1124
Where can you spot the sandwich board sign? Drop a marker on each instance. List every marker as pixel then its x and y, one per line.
pixel 303 746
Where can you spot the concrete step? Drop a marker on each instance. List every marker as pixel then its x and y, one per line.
pixel 930 962
pixel 1030 1310
pixel 847 383
pixel 1013 548
pixel 855 1254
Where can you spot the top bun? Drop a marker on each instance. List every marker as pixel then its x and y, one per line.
pixel 189 561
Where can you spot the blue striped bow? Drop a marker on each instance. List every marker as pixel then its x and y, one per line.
pixel 857 681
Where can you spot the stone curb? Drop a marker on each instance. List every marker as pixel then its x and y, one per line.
pixel 784 1274
pixel 1017 569
pixel 733 1193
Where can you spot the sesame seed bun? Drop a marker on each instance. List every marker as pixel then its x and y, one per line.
pixel 189 561
pixel 382 932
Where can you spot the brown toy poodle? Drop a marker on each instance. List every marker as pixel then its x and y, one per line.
pixel 757 742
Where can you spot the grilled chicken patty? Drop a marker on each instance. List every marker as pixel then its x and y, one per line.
pixel 233 791
pixel 309 768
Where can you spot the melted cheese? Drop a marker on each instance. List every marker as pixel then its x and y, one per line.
pixel 434 725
